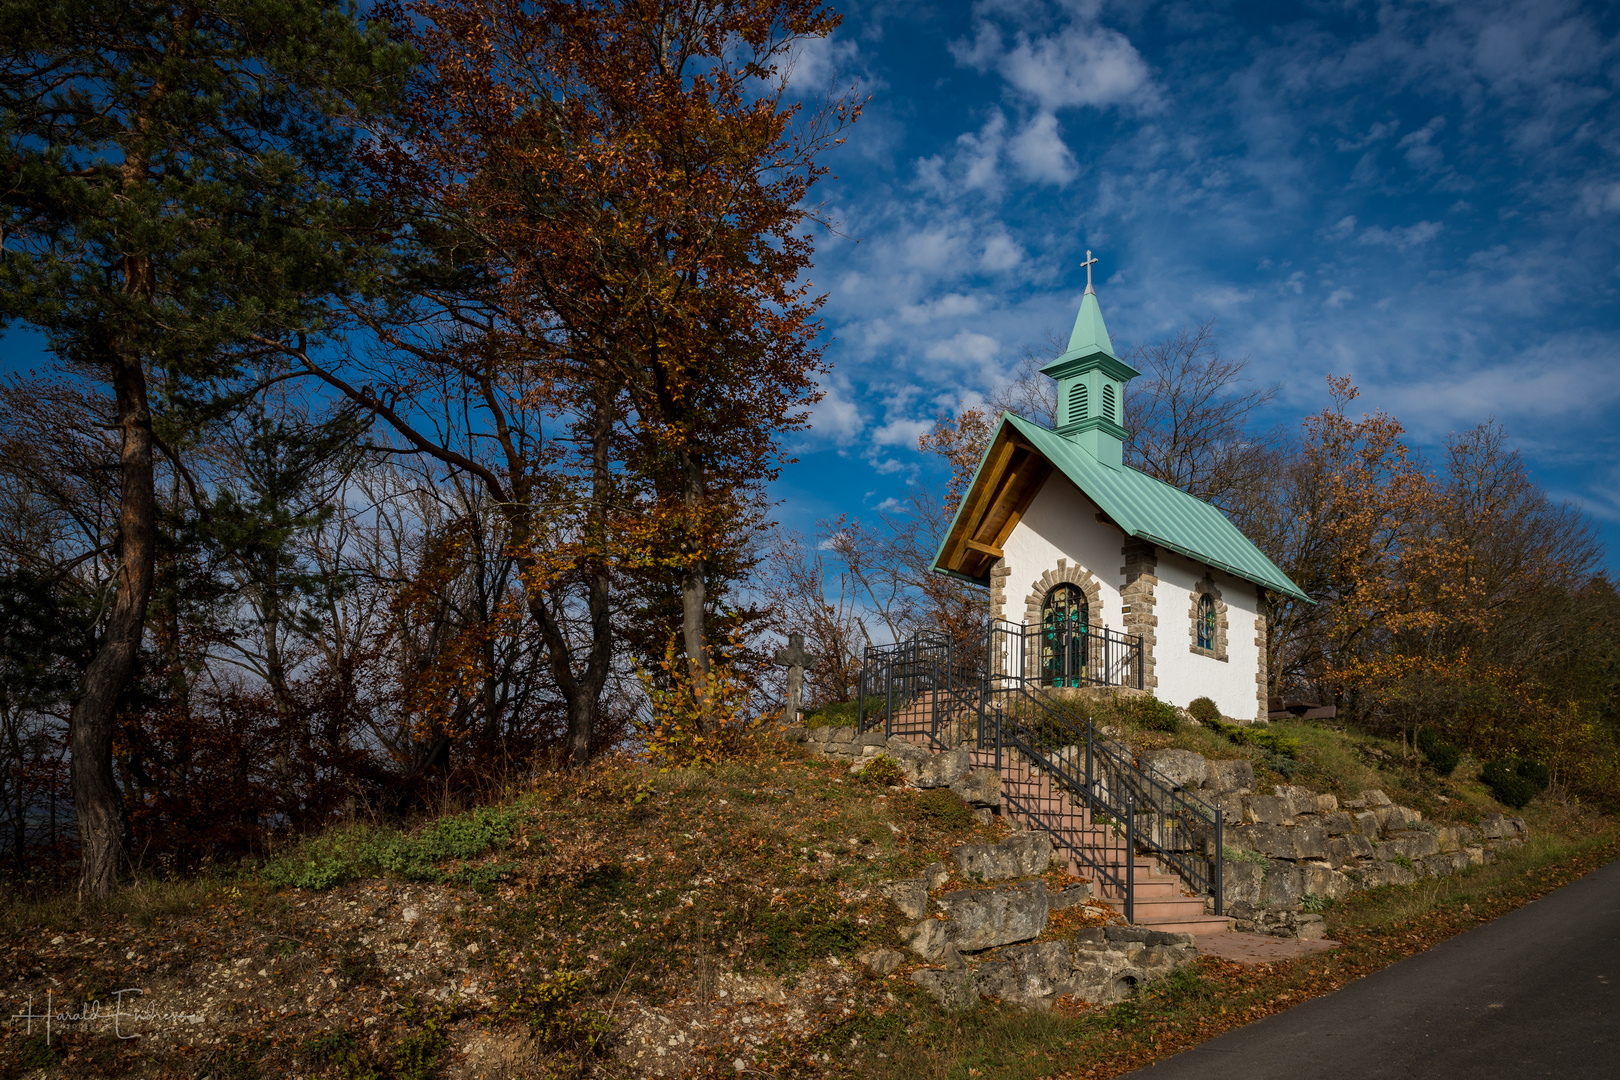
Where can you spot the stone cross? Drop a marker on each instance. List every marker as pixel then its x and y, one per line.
pixel 1088 264
pixel 795 659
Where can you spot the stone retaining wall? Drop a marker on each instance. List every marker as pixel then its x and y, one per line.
pixel 1296 849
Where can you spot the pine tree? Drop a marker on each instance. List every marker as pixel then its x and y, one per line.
pixel 176 194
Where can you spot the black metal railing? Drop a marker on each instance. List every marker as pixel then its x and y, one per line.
pixel 1003 696
pixel 1064 655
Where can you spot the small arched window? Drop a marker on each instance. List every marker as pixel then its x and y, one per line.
pixel 1108 402
pixel 1079 402
pixel 1065 623
pixel 1206 621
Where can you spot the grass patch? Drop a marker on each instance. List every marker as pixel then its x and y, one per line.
pixel 841 713
pixel 335 857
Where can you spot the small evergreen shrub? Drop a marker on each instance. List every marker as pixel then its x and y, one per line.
pixel 1204 710
pixel 1442 757
pixel 1514 782
pixel 1149 713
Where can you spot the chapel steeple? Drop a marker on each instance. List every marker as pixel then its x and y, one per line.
pixel 1091 384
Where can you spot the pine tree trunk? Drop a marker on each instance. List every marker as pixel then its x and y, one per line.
pixel 96 798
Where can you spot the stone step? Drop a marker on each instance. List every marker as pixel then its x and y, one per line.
pixel 1197 924
pixel 1161 908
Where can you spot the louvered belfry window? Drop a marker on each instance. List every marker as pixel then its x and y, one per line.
pixel 1108 402
pixel 1078 402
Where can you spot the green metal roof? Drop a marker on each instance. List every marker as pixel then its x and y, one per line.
pixel 1157 512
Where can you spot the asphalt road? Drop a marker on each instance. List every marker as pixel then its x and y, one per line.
pixel 1535 993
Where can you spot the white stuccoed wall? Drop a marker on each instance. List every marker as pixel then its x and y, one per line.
pixel 1184 674
pixel 1061 523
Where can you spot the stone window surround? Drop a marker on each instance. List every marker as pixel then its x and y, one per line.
pixel 1065 574
pixel 1207 587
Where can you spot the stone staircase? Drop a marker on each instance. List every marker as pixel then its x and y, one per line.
pixel 1160 900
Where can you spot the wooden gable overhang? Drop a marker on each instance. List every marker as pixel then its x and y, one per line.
pixel 1010 474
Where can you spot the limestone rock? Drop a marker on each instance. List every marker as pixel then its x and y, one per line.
pixel 936 874
pixel 927 939
pixel 909 895
pixel 987 862
pixel 1032 849
pixel 1241 882
pixel 1321 881
pixel 943 769
pixel 1266 810
pixel 1227 776
pixel 1283 887
pixel 1366 822
pixel 984 918
pixel 795 733
pixel 1182 768
pixel 980 787
pixel 952 989
pixel 1336 822
pixel 1375 798
pixel 1299 800
pixel 881 961
pixel 1068 897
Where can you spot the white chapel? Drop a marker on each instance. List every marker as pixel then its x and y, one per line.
pixel 1102 574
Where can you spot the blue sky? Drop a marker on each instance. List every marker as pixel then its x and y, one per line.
pixel 1425 197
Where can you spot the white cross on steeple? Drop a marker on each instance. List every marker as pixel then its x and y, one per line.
pixel 1088 264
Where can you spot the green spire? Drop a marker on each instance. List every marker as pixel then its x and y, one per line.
pixel 1090 335
pixel 1091 384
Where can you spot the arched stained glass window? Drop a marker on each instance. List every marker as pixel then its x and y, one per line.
pixel 1079 402
pixel 1065 623
pixel 1206 621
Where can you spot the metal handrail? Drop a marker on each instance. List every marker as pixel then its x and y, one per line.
pixel 1101 815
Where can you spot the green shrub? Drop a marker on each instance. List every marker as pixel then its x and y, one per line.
pixel 1442 757
pixel 1514 782
pixel 883 771
pixel 1203 710
pixel 1149 713
pixel 1315 904
pixel 551 1010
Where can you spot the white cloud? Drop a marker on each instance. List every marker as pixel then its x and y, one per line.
pixel 1420 151
pixel 835 416
pixel 1400 238
pixel 900 432
pixel 1343 228
pixel 1081 64
pixel 1040 153
pixel 967 347
pixel 1339 297
pixel 1001 253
